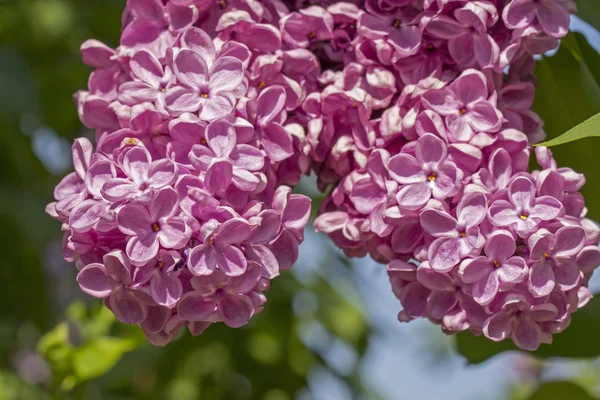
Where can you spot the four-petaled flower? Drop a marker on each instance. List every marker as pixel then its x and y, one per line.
pixel 497 270
pixel 152 226
pixel 523 211
pixel 427 173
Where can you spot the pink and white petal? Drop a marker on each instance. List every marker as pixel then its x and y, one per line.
pixel 414 300
pixel 173 234
pixel 286 250
pixel 522 192
pixel 432 279
pixel 297 212
pixel 405 169
pixel 216 106
pixel 134 220
pixel 200 42
pixel 234 231
pixel 135 92
pixel 166 289
pixel 142 275
pixel 541 279
pixel 230 260
pixel 221 137
pixel 569 241
pixel 498 327
pixel 445 182
pixel 501 167
pixel 503 213
pixel 218 177
pixel 265 257
pixel 366 195
pixel 486 289
pixel 438 223
pixel 444 254
pixel 162 173
pixel 588 259
pixel 415 196
pixel 500 246
pixel 126 307
pixel 164 205
pixel 472 209
pixel 226 74
pixel 440 303
pixel 244 180
pixel 567 273
pixel 146 67
pixel 191 69
pixel 526 334
pixel 554 18
pixel 487 50
pixel 270 103
pixel 484 117
pixel 474 270
pixel 431 150
pixel 84 216
pixel 141 249
pixel 82 150
pixel 201 157
pixel 183 99
pixel 442 101
pixel 181 17
pixel 95 281
pixel 546 208
pixel 247 282
pixel 202 260
pixel 117 266
pixel 546 311
pixel 156 319
pixel 513 270
pixel 136 164
pixel 519 13
pixel 98 174
pixel 118 189
pixel 277 142
pixel 459 129
pixel 247 157
pixel 235 309
pixel 195 307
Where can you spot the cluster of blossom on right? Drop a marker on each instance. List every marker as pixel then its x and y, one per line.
pixel 426 135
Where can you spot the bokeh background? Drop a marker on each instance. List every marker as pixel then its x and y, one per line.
pixel 329 331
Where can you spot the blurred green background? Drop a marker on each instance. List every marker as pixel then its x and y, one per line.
pixel 329 329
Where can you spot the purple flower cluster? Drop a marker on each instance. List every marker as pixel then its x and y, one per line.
pixel 180 214
pixel 415 116
pixel 423 131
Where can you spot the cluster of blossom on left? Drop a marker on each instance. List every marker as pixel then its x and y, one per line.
pixel 180 215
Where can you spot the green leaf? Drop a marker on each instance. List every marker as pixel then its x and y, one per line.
pixel 97 357
pixel 588 128
pixel 577 341
pixel 560 391
pixel 589 11
pixel 568 94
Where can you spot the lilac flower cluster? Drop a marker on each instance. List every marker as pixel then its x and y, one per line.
pixel 180 213
pixel 423 131
pixel 415 116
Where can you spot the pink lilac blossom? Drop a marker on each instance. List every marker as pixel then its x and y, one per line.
pixel 176 216
pixel 443 178
pixel 415 116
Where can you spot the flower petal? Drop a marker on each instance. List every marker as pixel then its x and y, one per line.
pixel 166 289
pixel 195 307
pixel 95 281
pixel 235 309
